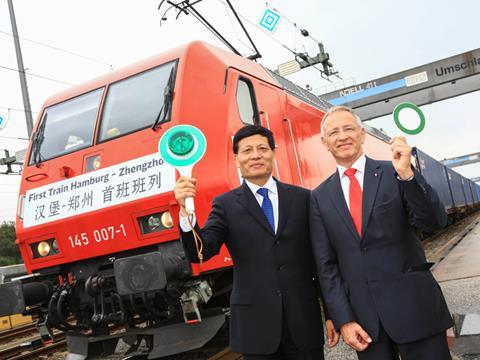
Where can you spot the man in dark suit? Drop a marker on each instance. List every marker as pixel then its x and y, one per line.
pixel 372 269
pixel 274 305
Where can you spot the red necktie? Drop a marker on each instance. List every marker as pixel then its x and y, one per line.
pixel 355 200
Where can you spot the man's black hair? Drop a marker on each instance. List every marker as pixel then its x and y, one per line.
pixel 250 130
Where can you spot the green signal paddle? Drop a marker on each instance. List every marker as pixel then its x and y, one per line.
pixel 182 146
pixel 402 112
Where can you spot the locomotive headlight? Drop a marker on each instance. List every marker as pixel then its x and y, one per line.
pixel 155 222
pixel 43 248
pixel 54 247
pixel 166 220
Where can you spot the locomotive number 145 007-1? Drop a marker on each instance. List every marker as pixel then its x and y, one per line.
pixel 97 235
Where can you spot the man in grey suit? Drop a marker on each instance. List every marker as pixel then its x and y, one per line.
pixel 274 304
pixel 372 269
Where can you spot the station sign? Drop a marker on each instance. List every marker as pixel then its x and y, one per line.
pixel 452 76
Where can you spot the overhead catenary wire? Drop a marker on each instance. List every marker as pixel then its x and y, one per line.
pixel 256 26
pixel 205 23
pixel 13 138
pixel 11 173
pixel 274 39
pixel 234 30
pixel 302 31
pixel 36 75
pixel 61 50
pixel 10 108
pixel 187 7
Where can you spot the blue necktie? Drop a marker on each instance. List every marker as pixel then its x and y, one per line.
pixel 267 207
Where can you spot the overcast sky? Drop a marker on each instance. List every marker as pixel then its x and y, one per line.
pixel 365 39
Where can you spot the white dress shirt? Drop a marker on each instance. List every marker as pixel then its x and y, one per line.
pixel 358 165
pixel 271 185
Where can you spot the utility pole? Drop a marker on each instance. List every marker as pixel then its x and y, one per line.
pixel 21 71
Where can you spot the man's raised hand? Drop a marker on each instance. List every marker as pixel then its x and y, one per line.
pixel 401 157
pixel 184 187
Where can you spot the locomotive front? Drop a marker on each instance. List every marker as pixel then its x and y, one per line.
pixel 96 220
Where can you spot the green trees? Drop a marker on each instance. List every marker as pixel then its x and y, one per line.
pixel 9 253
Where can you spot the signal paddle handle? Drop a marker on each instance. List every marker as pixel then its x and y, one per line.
pixel 189 205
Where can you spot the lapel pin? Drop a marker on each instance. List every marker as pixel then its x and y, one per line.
pixel 375 174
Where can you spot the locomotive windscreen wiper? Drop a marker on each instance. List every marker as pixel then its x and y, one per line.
pixel 38 141
pixel 167 100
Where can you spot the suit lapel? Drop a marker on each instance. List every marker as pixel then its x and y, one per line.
pixel 284 201
pixel 336 194
pixel 247 199
pixel 371 180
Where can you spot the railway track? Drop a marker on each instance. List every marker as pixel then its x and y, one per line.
pixel 29 347
pixel 27 352
pixel 19 331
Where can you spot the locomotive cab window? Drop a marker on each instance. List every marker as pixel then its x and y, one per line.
pixel 137 102
pixel 66 127
pixel 247 107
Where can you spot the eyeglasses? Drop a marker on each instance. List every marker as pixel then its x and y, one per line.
pixel 347 130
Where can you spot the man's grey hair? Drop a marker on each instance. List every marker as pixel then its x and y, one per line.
pixel 335 109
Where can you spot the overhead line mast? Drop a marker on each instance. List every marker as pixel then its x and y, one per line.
pixel 21 71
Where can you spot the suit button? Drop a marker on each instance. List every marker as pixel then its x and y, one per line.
pixel 277 242
pixel 364 249
pixel 281 267
pixel 279 293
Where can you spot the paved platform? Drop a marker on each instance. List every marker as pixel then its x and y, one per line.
pixel 459 277
pixel 463 261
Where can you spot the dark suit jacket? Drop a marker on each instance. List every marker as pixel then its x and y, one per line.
pixel 271 272
pixel 382 276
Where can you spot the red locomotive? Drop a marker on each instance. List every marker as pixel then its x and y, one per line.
pixel 97 219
